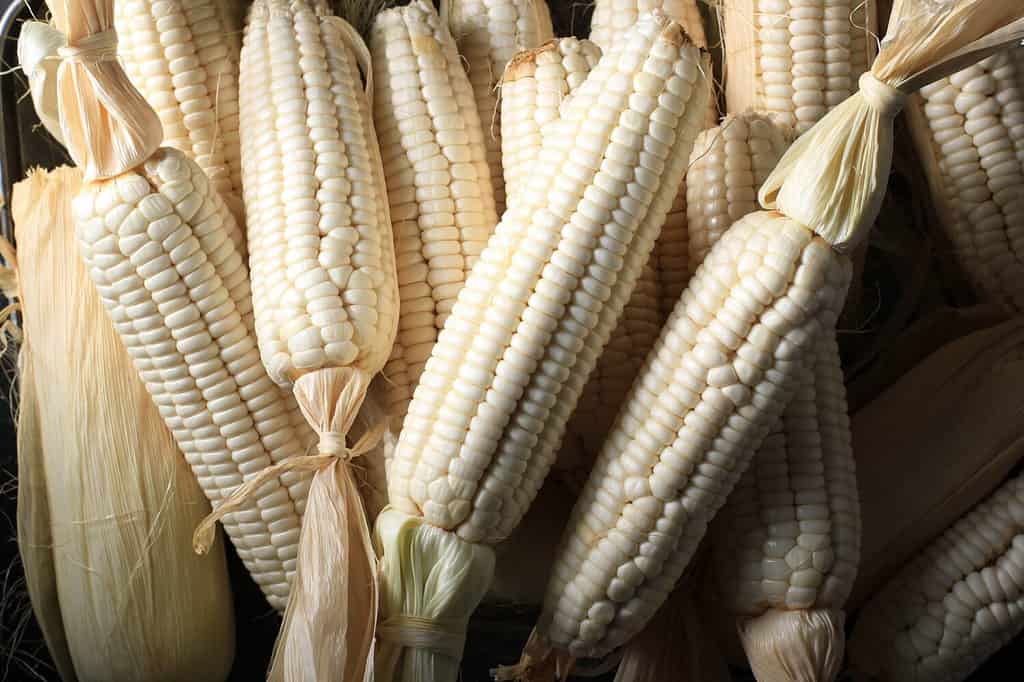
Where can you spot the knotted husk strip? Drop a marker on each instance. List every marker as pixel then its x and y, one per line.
pixel 132 601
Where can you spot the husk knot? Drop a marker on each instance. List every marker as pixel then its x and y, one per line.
pixel 444 636
pixel 886 100
pixel 90 49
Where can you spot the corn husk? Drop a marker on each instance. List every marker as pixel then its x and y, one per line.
pixel 133 602
pixel 958 443
pixel 833 179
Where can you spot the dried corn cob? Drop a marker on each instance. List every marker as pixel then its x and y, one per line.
pixel 442 202
pixel 969 130
pixel 536 84
pixel 133 602
pixel 155 237
pixel 957 603
pixel 730 354
pixel 787 542
pixel 727 168
pixel 526 330
pixel 796 59
pixel 182 55
pixel 325 295
pixel 489 34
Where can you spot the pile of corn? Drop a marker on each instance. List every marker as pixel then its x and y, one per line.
pixel 364 274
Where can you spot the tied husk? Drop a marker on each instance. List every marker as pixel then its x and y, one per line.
pixel 431 582
pixel 833 179
pixel 106 124
pixel 795 646
pixel 131 599
pixel 330 620
pixel 38 47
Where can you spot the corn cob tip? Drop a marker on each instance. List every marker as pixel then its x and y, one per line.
pixel 794 646
pixel 524 64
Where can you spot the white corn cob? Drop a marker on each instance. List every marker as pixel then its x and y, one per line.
pixel 787 542
pixel 727 168
pixel 182 55
pixel 718 378
pixel 536 84
pixel 956 604
pixel 796 59
pixel 613 18
pixel 438 182
pixel 321 253
pixel 489 34
pixel 537 308
pixel 540 304
pixel 970 130
pixel 156 243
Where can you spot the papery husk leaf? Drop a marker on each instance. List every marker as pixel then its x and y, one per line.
pixel 833 179
pixel 38 44
pixel 134 601
pixel 106 124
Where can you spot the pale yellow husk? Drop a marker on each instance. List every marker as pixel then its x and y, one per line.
pixel 135 603
pixel 833 179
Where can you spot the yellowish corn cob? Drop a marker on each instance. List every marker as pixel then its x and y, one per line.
pixel 536 84
pixel 442 202
pixel 150 239
pixel 182 55
pixel 796 59
pixel 319 235
pixel 970 131
pixel 788 540
pixel 719 376
pixel 956 604
pixel 489 34
pixel 528 326
pixel 727 168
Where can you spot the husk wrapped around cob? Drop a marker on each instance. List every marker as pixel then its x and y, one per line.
pixel 692 420
pixel 108 505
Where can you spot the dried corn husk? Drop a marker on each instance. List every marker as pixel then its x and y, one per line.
pixel 132 599
pixel 952 425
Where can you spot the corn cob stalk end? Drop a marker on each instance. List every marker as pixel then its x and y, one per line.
pixel 795 646
pixel 431 582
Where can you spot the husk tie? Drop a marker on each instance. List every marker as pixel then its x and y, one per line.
pixel 445 637
pixel 834 177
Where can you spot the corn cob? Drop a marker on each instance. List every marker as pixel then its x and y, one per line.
pixel 729 357
pixel 784 570
pixel 442 202
pixel 969 129
pixel 326 298
pixel 536 84
pixel 182 55
pixel 489 34
pixel 796 59
pixel 526 329
pixel 612 18
pixel 727 168
pixel 957 603
pixel 131 601
pixel 788 540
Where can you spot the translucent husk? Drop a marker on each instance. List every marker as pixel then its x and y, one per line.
pixel 38 44
pixel 131 599
pixel 431 582
pixel 794 646
pixel 833 179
